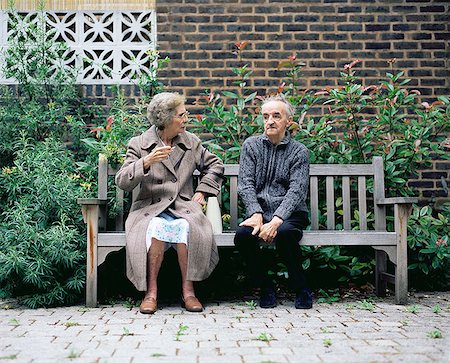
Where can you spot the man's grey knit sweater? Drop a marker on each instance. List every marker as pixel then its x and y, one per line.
pixel 273 179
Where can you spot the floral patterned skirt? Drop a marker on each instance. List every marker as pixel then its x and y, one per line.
pixel 168 228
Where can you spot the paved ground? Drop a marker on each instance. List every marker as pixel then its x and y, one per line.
pixel 349 331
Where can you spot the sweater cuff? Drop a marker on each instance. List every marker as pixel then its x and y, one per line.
pixel 254 208
pixel 282 213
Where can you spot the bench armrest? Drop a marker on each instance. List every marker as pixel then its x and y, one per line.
pixel 91 201
pixel 398 200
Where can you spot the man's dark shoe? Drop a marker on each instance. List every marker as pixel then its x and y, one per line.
pixel 303 299
pixel 268 298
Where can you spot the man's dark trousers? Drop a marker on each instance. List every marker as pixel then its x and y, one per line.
pixel 260 260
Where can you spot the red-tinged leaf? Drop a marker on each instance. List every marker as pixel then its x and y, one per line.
pixel 241 45
pixel 281 87
pixel 97 129
pixel 426 105
pixel 417 92
pixel 435 103
pixel 392 61
pixel 302 117
pixel 211 97
pixel 321 93
pixel 355 62
pixel 292 57
pixel 373 87
pixel 109 122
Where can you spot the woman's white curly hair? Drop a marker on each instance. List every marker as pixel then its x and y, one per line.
pixel 161 109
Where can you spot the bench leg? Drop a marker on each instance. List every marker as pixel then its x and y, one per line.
pixel 91 217
pixel 380 267
pixel 401 214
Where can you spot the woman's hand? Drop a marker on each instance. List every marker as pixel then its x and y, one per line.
pixel 199 197
pixel 157 155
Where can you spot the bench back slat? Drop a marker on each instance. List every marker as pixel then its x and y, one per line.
pixel 341 170
pixel 330 202
pixel 362 203
pixel 378 193
pixel 233 202
pixel 120 215
pixel 314 201
pixel 346 202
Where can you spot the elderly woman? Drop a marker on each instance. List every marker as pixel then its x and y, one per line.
pixel 167 212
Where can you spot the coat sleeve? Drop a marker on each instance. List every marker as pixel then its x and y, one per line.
pixel 246 180
pixel 213 168
pixel 298 185
pixel 132 171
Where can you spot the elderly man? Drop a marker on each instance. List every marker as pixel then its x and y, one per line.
pixel 273 184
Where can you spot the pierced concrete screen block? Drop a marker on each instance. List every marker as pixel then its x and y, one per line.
pixel 106 47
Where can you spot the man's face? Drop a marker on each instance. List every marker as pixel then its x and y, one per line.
pixel 276 120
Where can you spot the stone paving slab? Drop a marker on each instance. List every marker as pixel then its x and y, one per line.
pixel 229 332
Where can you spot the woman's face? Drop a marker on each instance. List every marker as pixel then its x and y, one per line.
pixel 179 121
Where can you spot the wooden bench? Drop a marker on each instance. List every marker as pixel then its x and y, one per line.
pixel 329 226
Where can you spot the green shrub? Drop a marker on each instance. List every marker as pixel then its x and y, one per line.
pixel 356 122
pixel 42 254
pixel 428 240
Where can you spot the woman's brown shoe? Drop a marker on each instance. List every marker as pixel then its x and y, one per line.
pixel 192 304
pixel 148 305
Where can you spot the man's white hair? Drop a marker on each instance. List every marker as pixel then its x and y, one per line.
pixel 280 98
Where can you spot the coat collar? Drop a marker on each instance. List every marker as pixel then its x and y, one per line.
pixel 286 139
pixel 150 139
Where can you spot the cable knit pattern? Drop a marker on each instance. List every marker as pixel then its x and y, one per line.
pixel 273 179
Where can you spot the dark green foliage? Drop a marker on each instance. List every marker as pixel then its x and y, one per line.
pixel 428 240
pixel 355 124
pixel 42 250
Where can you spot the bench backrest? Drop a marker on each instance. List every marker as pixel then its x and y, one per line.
pixel 345 183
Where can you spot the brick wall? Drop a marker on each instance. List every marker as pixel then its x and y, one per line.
pixel 199 35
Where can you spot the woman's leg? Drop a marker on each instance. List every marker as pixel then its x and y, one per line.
pixel 187 287
pixel 155 257
pixel 190 302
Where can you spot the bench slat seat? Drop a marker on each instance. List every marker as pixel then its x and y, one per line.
pixel 331 221
pixel 310 238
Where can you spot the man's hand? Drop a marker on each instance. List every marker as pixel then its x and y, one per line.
pixel 255 221
pixel 269 230
pixel 199 197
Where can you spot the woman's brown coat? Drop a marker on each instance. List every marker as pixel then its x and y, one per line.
pixel 169 185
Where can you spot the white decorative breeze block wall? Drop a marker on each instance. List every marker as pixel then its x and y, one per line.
pixel 106 47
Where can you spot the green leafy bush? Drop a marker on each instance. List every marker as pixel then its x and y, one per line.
pixel 355 123
pixel 42 254
pixel 428 240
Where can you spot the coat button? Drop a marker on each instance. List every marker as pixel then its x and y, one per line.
pixel 146 214
pixel 174 180
pixel 159 199
pixel 159 181
pixel 171 198
pixel 188 211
